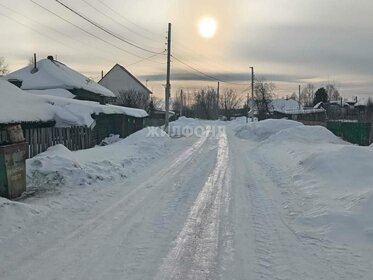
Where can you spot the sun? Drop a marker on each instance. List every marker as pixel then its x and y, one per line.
pixel 207 27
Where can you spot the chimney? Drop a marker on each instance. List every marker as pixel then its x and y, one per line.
pixel 50 57
pixel 35 69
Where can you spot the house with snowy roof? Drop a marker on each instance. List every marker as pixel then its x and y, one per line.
pixel 48 119
pixel 50 74
pixel 119 80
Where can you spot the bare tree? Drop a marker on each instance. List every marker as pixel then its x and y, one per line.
pixel 157 102
pixel 133 99
pixel 205 104
pixel 306 96
pixel 293 96
pixel 369 110
pixel 3 66
pixel 264 93
pixel 177 102
pixel 333 92
pixel 229 103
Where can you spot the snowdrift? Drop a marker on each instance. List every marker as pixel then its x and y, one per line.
pixel 259 131
pixel 60 167
pixel 331 188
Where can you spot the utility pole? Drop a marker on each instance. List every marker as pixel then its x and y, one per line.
pixel 181 103
pixel 299 97
pixel 252 97
pixel 217 100
pixel 168 85
pixel 102 74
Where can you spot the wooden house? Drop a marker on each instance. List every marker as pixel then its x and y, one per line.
pixel 48 120
pixel 49 74
pixel 119 79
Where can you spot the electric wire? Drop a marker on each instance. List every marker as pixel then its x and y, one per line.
pixel 88 32
pixel 105 29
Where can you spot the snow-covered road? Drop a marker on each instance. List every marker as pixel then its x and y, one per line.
pixel 210 209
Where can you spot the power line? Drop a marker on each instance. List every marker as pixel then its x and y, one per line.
pixel 40 33
pixel 104 29
pixel 146 58
pixel 117 21
pixel 48 27
pixel 206 75
pixel 87 32
pixel 128 20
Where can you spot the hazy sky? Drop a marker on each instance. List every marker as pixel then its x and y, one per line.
pixel 289 42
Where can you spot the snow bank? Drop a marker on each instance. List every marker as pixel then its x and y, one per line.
pixel 60 167
pixel 14 215
pixel 331 188
pixel 259 131
pixel 52 75
pixel 303 134
pixel 111 139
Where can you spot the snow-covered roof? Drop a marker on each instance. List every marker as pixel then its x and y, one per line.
pixel 120 79
pixel 70 112
pixel 318 105
pixel 17 106
pixel 363 101
pixel 58 92
pixel 52 74
pixel 285 105
pixel 25 106
pixel 281 105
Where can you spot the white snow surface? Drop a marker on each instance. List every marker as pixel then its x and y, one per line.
pixel 57 92
pixel 283 105
pixel 18 106
pixel 21 106
pixel 72 112
pixel 54 75
pixel 264 200
pixel 330 179
pixel 60 167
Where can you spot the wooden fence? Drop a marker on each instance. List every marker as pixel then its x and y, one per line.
pixel 40 139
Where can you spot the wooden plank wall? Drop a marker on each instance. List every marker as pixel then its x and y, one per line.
pixel 40 139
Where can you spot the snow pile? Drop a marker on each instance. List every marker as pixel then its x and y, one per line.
pixel 307 135
pixel 111 140
pixel 54 74
pixel 14 216
pixel 18 106
pixel 259 131
pixel 58 166
pixel 330 192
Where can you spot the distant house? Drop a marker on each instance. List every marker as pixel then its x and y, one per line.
pixel 120 80
pixel 279 105
pixel 49 74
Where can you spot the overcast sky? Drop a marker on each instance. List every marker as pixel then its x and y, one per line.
pixel 290 42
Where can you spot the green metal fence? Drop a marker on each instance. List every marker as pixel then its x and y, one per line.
pixel 353 132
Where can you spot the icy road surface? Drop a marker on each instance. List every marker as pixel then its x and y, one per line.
pixel 209 210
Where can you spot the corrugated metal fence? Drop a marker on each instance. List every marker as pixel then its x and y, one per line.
pixel 353 132
pixel 40 139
